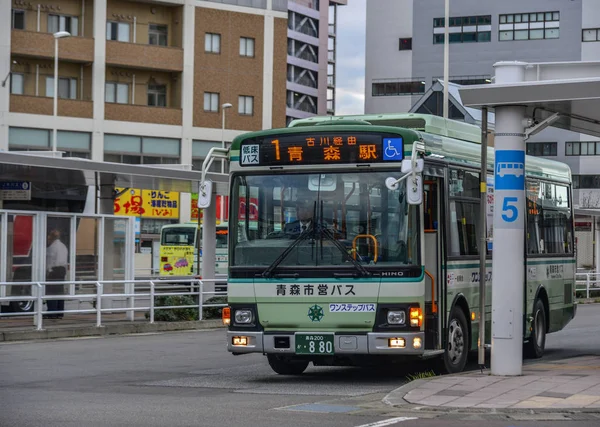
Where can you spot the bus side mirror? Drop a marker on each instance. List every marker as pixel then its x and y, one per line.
pixel 205 194
pixel 407 165
pixel 414 190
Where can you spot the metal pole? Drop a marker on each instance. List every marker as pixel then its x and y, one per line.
pixel 446 55
pixel 483 234
pixel 55 110
pixel 223 137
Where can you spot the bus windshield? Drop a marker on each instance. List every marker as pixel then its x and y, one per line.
pixel 316 219
pixel 178 236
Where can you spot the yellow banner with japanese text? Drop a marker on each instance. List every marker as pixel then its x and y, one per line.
pixel 147 203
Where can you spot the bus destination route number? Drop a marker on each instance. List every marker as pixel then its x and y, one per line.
pixel 314 344
pixel 328 148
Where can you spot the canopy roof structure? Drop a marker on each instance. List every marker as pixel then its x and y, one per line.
pixel 571 89
pixel 76 171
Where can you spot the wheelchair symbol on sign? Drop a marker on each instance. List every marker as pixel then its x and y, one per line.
pixel 393 149
pixel 390 150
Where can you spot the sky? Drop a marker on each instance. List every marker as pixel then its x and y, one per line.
pixel 350 70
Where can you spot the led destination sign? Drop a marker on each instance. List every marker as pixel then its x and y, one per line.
pixel 323 148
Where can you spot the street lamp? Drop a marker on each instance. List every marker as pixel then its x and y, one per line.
pixel 223 108
pixel 57 35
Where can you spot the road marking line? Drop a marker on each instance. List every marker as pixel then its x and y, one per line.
pixel 388 422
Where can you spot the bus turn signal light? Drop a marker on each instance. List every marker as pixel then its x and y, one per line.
pixel 226 316
pixel 416 317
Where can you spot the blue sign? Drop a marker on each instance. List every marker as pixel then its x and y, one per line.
pixel 15 185
pixel 393 149
pixel 510 170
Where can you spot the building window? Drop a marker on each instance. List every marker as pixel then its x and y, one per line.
pixel 303 24
pixel 17 83
pixel 211 102
pixel 406 44
pixel 67 87
pixel 302 102
pixel 246 105
pixel 18 19
pixel 303 76
pixel 141 150
pixel 583 148
pixel 157 95
pixel 246 46
pixel 73 144
pixel 546 149
pixel 157 34
pixel 398 88
pixel 118 31
pixel 117 92
pixel 529 26
pixel 586 182
pixel 63 23
pixel 590 35
pixel 212 43
pixel 200 150
pixel 465 29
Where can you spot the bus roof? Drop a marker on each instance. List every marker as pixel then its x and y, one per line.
pixel 422 122
pixel 448 140
pixel 190 224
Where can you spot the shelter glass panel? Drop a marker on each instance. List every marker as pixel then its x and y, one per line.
pixel 86 249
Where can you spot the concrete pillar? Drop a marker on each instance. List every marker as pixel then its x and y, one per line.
pixel 509 226
pixel 5 67
pixel 209 243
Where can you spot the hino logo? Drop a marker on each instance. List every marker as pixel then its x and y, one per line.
pixel 392 273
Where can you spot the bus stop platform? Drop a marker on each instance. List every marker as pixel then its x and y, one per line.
pixel 554 388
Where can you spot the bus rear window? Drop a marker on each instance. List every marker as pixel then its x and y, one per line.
pixel 178 236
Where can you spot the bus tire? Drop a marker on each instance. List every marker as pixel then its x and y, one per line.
pixel 457 347
pixel 286 366
pixel 534 348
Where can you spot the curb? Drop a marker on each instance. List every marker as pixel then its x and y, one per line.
pixel 395 399
pixel 114 329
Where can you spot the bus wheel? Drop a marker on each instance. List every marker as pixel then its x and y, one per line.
pixel 537 340
pixel 457 348
pixel 21 306
pixel 286 366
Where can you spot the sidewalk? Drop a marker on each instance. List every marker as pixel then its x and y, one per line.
pixel 567 385
pixel 82 325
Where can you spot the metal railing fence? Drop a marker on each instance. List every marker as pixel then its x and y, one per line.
pixel 588 281
pixel 133 290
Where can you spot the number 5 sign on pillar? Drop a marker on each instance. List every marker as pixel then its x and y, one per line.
pixel 509 171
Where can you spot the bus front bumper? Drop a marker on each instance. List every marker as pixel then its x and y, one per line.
pixel 407 343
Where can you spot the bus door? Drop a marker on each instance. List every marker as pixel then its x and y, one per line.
pixel 432 261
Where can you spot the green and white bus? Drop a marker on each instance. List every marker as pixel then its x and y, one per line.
pixel 383 271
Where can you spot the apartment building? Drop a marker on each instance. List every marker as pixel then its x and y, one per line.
pixel 404 60
pixel 141 82
pixel 312 28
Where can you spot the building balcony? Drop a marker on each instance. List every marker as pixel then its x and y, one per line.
pixel 149 57
pixel 44 105
pixel 142 114
pixel 41 45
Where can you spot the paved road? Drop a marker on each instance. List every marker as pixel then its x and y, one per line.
pixel 188 379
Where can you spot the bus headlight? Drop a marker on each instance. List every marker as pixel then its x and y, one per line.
pixel 244 316
pixel 397 317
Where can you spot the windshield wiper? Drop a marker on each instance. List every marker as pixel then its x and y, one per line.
pixel 302 237
pixel 343 250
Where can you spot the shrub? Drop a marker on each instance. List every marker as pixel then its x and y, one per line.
pixel 174 314
pixel 214 312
